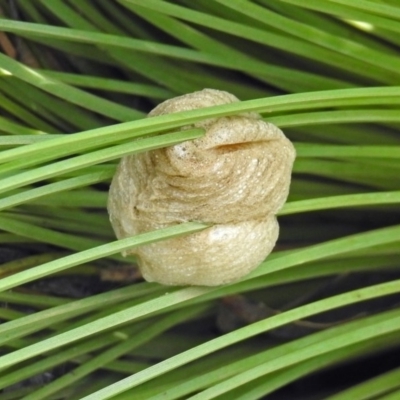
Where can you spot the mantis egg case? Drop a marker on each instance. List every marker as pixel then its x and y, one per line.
pixel 236 178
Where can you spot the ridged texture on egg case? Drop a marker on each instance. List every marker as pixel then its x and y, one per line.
pixel 236 177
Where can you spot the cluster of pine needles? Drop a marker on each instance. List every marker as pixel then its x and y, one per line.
pixel 77 78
